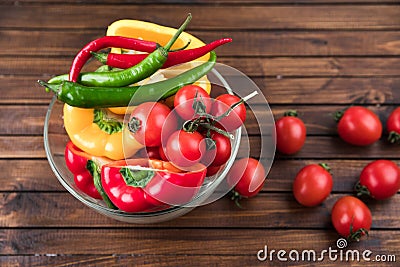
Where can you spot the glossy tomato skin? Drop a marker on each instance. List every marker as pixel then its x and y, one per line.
pixel 185 149
pixel 150 122
pixel 393 126
pixel 236 118
pixel 221 153
pixel 249 176
pixel 381 178
pixel 359 126
pixel 185 97
pixel 349 215
pixel 290 134
pixel 312 185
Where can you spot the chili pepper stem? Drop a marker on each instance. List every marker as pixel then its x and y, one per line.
pixel 49 87
pixel 178 32
pixel 101 57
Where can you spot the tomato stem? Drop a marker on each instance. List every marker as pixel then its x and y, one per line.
pixel 361 190
pixel 216 129
pixel 290 113
pixel 338 115
pixel 394 137
pixel 235 196
pixel 326 167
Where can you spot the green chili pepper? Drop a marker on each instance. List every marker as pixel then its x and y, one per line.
pixel 153 62
pixel 78 95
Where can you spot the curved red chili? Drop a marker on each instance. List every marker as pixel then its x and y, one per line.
pixel 124 61
pixel 138 185
pixel 104 42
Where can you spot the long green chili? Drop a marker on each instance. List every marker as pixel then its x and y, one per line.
pixel 78 95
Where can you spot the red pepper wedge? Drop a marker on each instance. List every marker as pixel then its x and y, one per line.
pixel 124 61
pixel 82 165
pixel 140 185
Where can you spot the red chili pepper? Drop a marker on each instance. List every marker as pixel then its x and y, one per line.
pixel 104 42
pixel 124 61
pixel 138 185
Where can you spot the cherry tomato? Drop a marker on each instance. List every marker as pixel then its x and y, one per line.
pixel 393 126
pixel 236 118
pixel 184 149
pixel 150 121
pixel 380 179
pixel 359 126
pixel 211 170
pixel 312 185
pixel 351 217
pixel 249 176
pixel 290 133
pixel 221 153
pixel 151 152
pixel 186 96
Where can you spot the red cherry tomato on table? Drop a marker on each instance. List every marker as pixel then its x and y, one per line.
pixel 186 96
pixel 351 218
pixel 393 126
pixel 150 121
pixel 380 179
pixel 312 185
pixel 184 149
pixel 249 176
pixel 236 118
pixel 359 126
pixel 290 133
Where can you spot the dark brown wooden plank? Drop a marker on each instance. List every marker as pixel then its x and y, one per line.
pixel 51 260
pixel 157 260
pixel 205 2
pixel 177 241
pixel 318 147
pixel 17 175
pixel 206 17
pixel 267 210
pixel 245 43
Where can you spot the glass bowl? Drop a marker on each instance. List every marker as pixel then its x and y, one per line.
pixel 55 140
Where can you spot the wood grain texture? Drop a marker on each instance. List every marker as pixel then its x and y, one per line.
pixel 267 210
pixel 370 17
pixel 314 56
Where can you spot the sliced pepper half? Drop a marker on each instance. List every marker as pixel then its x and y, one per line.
pixel 139 185
pixel 93 131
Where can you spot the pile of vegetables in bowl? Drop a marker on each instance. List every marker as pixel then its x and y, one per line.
pixel 140 138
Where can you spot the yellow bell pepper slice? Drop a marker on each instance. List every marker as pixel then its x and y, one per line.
pixel 86 134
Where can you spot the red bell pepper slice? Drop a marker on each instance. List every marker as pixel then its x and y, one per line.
pixel 84 167
pixel 138 185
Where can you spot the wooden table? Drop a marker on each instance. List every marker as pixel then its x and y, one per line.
pixel 314 56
